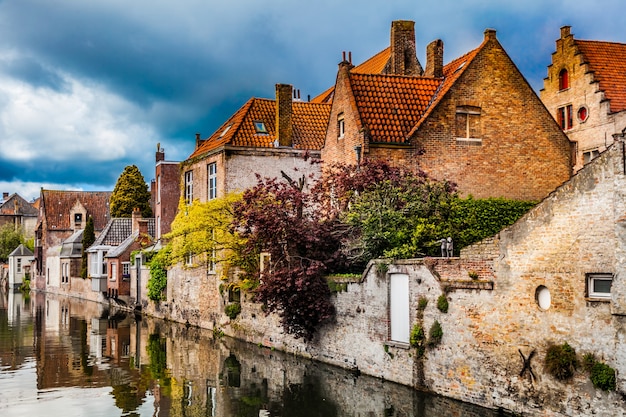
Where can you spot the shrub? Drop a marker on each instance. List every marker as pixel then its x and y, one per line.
pixel 422 303
pixel 418 340
pixel 232 310
pixel 561 361
pixel 603 376
pixel 473 274
pixel 435 334
pixel 442 303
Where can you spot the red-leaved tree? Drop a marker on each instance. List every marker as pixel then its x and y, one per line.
pixel 281 219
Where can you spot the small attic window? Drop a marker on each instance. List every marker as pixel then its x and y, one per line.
pixel 226 129
pixel 260 128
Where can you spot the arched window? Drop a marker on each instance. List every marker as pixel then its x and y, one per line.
pixel 563 79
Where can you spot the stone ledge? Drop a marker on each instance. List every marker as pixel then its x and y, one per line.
pixel 469 285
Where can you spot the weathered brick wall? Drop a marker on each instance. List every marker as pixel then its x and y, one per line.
pixel 519 139
pixel 166 205
pixel 579 228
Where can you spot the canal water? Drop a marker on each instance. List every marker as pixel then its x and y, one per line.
pixel 68 357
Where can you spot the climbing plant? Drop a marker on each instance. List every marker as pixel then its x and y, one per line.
pixel 157 283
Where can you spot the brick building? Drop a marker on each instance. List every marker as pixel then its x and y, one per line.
pixel 475 121
pixel 18 212
pixel 165 190
pixel 585 91
pixel 263 137
pixel 63 214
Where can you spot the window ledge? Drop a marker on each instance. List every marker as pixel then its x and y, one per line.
pixel 598 299
pixel 399 345
pixel 470 141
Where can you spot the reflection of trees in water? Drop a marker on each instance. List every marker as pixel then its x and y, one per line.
pixel 307 400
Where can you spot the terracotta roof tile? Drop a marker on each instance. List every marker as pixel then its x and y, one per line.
pixel 309 126
pixel 57 206
pixel 607 61
pixel 391 105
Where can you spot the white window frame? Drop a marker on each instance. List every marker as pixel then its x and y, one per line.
pixel 212 181
pixel 126 271
pixel 341 125
pixel 19 265
pixel 189 187
pixel 592 278
pixel 113 271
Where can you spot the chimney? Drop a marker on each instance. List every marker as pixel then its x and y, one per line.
pixel 434 59
pixel 160 153
pixel 403 53
pixel 565 31
pixel 198 140
pixel 490 34
pixel 136 218
pixel 5 196
pixel 284 125
pixel 143 227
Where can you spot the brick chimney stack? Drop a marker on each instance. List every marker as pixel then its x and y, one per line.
pixel 5 196
pixel 136 218
pixel 434 59
pixel 160 153
pixel 284 125
pixel 403 53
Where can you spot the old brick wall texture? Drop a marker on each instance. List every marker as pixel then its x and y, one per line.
pixel 577 229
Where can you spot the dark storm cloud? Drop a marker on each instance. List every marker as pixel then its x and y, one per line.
pixel 88 87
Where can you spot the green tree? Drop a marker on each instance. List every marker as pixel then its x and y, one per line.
pixel 89 237
pixel 10 238
pixel 130 191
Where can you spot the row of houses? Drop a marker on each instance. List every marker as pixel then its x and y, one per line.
pixel 474 121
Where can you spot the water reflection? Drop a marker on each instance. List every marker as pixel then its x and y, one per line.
pixel 68 357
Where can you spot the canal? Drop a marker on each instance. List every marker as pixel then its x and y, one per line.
pixel 67 357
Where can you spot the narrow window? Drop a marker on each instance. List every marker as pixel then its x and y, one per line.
pixel 189 260
pixel 94 263
pixel 341 126
pixel 158 181
pixel 212 175
pixel 126 271
pixel 599 285
pixel 113 271
pixel 564 117
pixel 19 265
pixel 468 123
pixel 189 187
pixel 260 128
pixel 563 79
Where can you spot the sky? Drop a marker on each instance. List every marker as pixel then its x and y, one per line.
pixel 90 87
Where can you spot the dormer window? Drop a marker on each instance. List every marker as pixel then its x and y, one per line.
pixel 260 128
pixel 341 126
pixel 563 79
pixel 78 218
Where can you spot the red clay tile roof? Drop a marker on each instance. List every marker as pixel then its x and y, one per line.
pixel 57 206
pixel 309 126
pixel 607 61
pixel 391 105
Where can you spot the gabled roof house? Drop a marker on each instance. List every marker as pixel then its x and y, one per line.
pixel 265 137
pixel 585 91
pixel 474 121
pixel 63 214
pixel 15 210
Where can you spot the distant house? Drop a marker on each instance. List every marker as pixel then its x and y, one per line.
pixel 20 261
pixel 18 212
pixel 109 257
pixel 474 121
pixel 585 91
pixel 62 216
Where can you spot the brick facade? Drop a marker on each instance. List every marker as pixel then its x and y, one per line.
pixel 585 94
pixel 513 139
